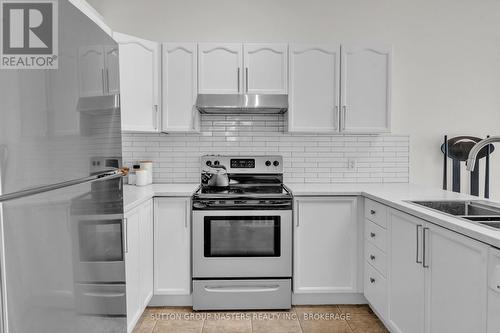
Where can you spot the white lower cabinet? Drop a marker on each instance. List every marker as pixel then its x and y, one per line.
pixel 494 291
pixel 437 278
pixel 325 245
pixel 456 276
pixel 138 261
pixel 172 246
pixel 406 274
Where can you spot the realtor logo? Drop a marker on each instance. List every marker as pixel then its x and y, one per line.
pixel 29 34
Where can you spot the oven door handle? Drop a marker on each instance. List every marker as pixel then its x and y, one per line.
pixel 242 289
pixel 104 294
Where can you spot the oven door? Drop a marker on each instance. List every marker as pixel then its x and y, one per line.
pixel 242 243
pixel 98 248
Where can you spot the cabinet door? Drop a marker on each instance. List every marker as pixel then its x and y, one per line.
pixel 266 68
pixel 112 70
pixel 456 282
pixel 139 83
pixel 91 70
pixel 146 253
pixel 220 68
pixel 406 274
pixel 180 87
pixel 172 246
pixel 63 97
pixel 325 245
pixel 366 89
pixel 314 88
pixel 132 267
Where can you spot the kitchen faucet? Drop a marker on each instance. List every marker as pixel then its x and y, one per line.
pixel 471 161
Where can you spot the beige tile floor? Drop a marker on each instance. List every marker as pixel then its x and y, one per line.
pixel 300 319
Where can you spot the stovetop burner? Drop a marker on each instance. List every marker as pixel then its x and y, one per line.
pixel 254 183
pixel 244 190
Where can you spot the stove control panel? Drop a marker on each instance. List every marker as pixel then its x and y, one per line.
pixel 272 164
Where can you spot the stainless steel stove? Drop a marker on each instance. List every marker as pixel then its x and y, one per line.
pixel 242 234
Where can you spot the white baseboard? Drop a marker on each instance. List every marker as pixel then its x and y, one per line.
pixel 322 299
pixel 297 299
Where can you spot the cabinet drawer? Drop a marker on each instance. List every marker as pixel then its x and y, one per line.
pixel 376 212
pixel 241 294
pixel 376 235
pixel 376 289
pixel 375 257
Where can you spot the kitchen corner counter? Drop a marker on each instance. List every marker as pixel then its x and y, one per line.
pixel 133 196
pixel 397 197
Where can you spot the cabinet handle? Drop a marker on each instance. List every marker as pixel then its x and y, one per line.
pixel 107 80
pixel 417 260
pixel 424 247
pixel 125 235
pixel 238 79
pixel 372 257
pixel 155 117
pixel 373 212
pixel 103 82
pixel 372 280
pixel 344 116
pixel 336 117
pixel 372 234
pixel 246 77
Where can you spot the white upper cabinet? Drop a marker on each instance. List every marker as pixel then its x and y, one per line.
pixel 98 70
pixel 266 68
pixel 314 88
pixel 220 68
pixel 325 245
pixel 91 70
pixel 112 70
pixel 366 89
pixel 64 118
pixel 139 83
pixel 180 87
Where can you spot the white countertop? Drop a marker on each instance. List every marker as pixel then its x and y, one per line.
pixel 135 195
pixel 393 195
pixel 397 195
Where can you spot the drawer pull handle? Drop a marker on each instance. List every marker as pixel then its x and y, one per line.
pixel 498 287
pixel 372 280
pixel 373 212
pixel 372 257
pixel 372 234
pixel 242 289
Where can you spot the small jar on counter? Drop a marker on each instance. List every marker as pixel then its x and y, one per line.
pixel 148 166
pixel 141 177
pixel 132 174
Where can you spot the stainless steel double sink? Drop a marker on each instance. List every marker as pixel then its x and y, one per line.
pixel 477 211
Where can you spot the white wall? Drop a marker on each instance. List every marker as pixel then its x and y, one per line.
pixel 446 53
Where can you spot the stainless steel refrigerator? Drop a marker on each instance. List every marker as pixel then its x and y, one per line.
pixel 61 200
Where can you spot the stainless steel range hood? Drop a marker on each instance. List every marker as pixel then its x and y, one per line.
pixel 98 104
pixel 241 104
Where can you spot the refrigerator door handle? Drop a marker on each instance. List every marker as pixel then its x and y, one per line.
pixel 41 189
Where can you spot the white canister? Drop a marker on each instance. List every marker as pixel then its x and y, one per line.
pixel 148 166
pixel 141 177
pixel 131 178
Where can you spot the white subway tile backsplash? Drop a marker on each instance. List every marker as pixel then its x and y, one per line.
pixel 309 158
